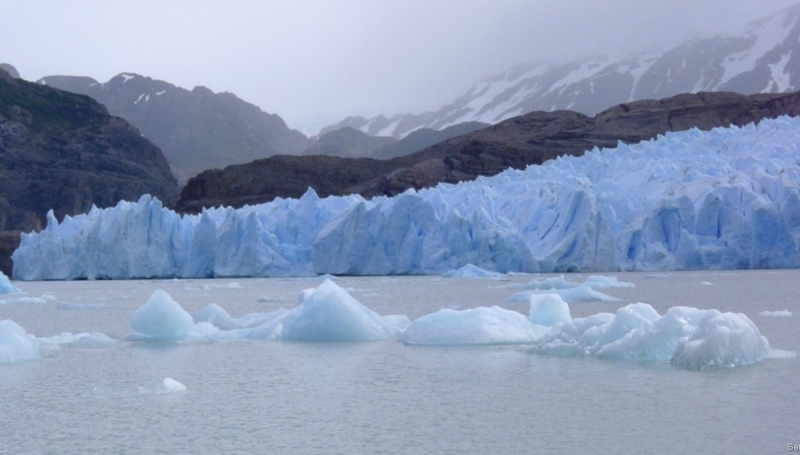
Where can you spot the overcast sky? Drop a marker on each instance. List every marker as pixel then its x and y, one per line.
pixel 316 61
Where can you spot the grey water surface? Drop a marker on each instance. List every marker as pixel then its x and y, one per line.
pixel 265 397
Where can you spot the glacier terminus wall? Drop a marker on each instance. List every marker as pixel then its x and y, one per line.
pixel 722 199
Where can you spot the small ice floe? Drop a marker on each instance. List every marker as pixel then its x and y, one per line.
pixel 168 385
pixel 270 299
pixel 657 276
pixel 44 298
pixel 571 295
pixel 471 271
pixel 83 306
pixel 707 283
pixel 215 287
pixel 84 340
pixel 776 314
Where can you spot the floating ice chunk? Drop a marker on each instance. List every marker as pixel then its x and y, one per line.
pixel 216 316
pixel 331 314
pixel 558 282
pixel 657 275
pixel 161 318
pixel 270 299
pixel 5 285
pixel 776 314
pixel 470 271
pixel 687 337
pixel 561 283
pixel 721 340
pixel 707 283
pixel 654 338
pixel 548 310
pixel 23 301
pixel 256 326
pixel 575 294
pixel 781 354
pixel 15 344
pixel 168 385
pixel 82 306
pixel 474 326
pixel 91 340
pixel 604 282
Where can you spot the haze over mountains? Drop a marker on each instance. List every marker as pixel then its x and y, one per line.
pixel 196 129
pixel 755 57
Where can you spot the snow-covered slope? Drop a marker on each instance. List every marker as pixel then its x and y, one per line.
pixel 727 198
pixel 761 56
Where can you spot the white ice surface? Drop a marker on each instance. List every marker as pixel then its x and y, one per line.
pixel 480 325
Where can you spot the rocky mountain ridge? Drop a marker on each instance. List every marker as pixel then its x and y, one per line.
pixel 196 129
pixel 515 143
pixel 63 151
pixel 757 57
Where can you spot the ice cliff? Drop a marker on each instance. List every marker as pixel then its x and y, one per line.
pixel 722 199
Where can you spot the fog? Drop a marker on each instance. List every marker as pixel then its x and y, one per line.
pixel 314 62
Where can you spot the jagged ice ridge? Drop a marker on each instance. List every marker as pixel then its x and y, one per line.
pixel 721 199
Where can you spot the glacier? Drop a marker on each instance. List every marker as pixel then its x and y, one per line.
pixel 728 198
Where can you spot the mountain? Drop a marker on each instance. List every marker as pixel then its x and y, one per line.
pixel 348 143
pixel 757 57
pixel 424 137
pixel 196 129
pixel 517 142
pixel 62 151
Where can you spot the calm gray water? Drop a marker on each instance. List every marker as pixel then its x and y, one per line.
pixel 262 397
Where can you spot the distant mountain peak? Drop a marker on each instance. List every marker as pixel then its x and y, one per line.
pixel 758 56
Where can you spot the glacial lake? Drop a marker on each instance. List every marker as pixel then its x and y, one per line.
pixel 383 397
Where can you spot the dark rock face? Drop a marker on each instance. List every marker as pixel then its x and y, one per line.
pixel 278 176
pixel 424 137
pixel 63 151
pixel 520 141
pixel 348 143
pixel 196 129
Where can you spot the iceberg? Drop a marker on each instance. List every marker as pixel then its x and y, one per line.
pixel 15 343
pixel 728 198
pixel 686 337
pixel 5 285
pixel 161 318
pixel 475 326
pixel 329 313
